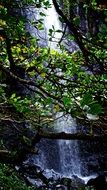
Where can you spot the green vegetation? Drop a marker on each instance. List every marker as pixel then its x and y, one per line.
pixel 9 180
pixel 79 89
pixel 37 81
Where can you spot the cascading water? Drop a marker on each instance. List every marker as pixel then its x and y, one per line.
pixel 63 156
pixel 52 22
pixel 60 155
pixel 69 152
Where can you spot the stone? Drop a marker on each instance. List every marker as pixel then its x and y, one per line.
pixel 99 183
pixel 60 187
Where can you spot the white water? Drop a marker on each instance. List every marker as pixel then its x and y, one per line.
pixel 52 22
pixel 69 152
pixel 62 156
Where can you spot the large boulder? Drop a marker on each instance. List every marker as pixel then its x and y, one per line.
pixel 99 183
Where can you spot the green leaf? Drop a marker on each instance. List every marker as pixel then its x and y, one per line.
pixel 95 109
pixel 13 96
pixel 71 37
pixel 76 20
pixel 47 3
pixel 50 32
pixel 42 14
pixel 59 31
pixel 40 26
pixel 87 99
pixel 104 77
pixel 49 101
pixel 67 101
pixel 56 108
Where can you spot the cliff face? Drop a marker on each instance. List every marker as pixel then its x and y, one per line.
pixel 15 135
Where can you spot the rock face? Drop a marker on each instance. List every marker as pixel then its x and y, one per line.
pixel 48 179
pixel 16 137
pixel 99 183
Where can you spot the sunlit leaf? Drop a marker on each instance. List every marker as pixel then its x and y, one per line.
pixel 43 75
pixel 56 108
pixel 67 101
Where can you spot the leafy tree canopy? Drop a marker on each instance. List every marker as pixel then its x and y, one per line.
pixel 37 80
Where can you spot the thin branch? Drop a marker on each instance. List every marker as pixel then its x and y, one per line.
pixel 74 30
pixel 5 152
pixel 30 83
pixel 63 35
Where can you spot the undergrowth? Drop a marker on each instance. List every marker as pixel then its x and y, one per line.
pixel 9 179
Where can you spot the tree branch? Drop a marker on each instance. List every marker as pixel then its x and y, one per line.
pixel 30 83
pixel 74 30
pixel 70 136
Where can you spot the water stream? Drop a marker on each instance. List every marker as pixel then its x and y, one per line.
pixel 63 156
pixel 60 155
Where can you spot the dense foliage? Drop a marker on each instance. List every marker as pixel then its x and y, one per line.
pixel 74 82
pixel 10 180
pixel 38 80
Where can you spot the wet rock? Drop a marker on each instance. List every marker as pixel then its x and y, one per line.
pixel 49 179
pixel 73 183
pixel 99 183
pixel 61 187
pixel 15 135
pixel 51 175
pixel 33 173
pixel 77 183
pixel 66 182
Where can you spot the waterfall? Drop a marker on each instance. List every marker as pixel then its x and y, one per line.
pixel 69 152
pixel 63 156
pixel 52 22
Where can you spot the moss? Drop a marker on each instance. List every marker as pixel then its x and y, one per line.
pixel 9 180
